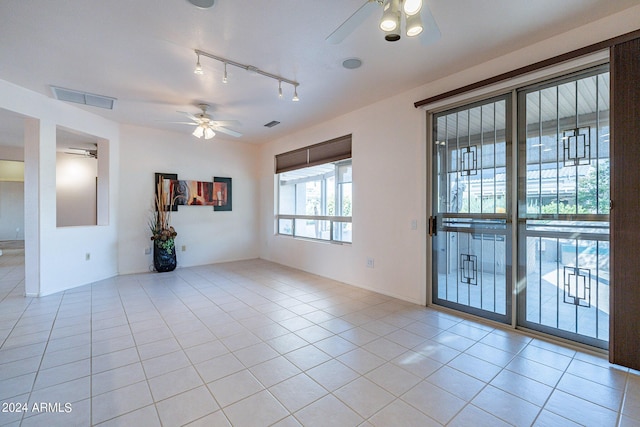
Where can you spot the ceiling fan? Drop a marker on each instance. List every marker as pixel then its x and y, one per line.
pixel 84 152
pixel 419 21
pixel 206 126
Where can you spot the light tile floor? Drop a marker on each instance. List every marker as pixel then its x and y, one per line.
pixel 254 343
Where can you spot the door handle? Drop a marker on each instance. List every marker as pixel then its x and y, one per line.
pixel 433 226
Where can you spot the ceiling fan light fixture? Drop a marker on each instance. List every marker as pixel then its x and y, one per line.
pixel 414 25
pixel 209 133
pixel 412 7
pixel 390 16
pixel 198 132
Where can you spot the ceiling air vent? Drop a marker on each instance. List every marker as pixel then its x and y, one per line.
pixel 272 123
pixel 84 98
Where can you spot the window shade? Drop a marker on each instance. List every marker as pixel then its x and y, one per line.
pixel 317 154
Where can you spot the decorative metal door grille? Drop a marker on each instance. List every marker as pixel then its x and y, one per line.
pixel 576 147
pixel 469 160
pixel 469 269
pixel 563 207
pixel 472 246
pixel 577 286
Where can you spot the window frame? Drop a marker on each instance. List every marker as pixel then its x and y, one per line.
pixel 333 220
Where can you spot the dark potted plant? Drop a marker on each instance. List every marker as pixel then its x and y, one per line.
pixel 162 233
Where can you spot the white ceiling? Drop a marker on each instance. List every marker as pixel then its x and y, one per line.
pixel 142 53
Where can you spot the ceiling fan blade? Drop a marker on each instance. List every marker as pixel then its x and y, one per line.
pixel 225 123
pixel 227 131
pixel 84 152
pixel 352 22
pixel 191 116
pixel 180 123
pixel 431 33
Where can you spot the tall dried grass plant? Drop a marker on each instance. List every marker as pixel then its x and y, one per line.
pixel 162 233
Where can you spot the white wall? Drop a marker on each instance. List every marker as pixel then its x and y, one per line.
pixel 76 195
pixel 209 236
pixel 55 258
pixel 388 175
pixel 12 199
pixel 11 210
pixel 390 182
pixel 11 153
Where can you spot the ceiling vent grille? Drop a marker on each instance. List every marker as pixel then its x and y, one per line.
pixel 272 123
pixel 84 98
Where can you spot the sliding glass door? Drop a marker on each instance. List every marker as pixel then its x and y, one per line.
pixel 562 208
pixel 563 212
pixel 470 224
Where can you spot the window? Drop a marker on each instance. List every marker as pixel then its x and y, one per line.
pixel 315 199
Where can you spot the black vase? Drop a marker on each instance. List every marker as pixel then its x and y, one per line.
pixel 164 259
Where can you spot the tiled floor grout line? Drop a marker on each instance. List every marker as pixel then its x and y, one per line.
pixel 91 357
pixel 622 401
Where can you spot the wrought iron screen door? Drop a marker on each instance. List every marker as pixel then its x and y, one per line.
pixel 471 226
pixel 563 211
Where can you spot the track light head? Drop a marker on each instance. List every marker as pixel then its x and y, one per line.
pixel 295 94
pixel 391 16
pixel 414 25
pixel 224 77
pixel 280 89
pixel 412 7
pixel 198 69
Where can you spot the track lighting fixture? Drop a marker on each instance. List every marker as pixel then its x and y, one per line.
pixel 198 69
pixel 249 68
pixel 391 17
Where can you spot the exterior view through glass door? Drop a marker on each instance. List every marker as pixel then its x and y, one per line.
pixel 471 222
pixel 563 212
pixel 562 183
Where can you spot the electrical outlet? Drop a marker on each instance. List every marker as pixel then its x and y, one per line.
pixel 369 262
pixel 147 251
pixel 87 256
pixel 184 248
